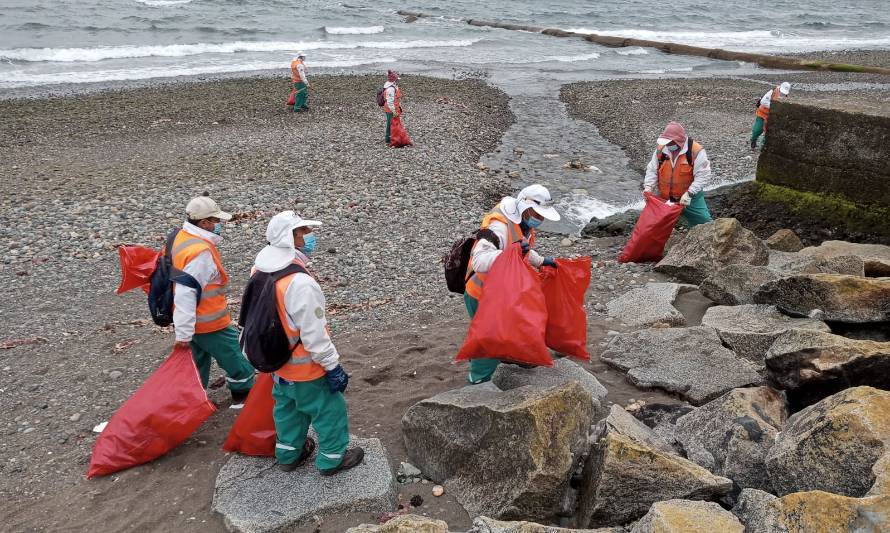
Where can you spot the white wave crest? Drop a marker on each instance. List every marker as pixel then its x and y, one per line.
pixel 364 30
pixel 572 59
pixel 163 3
pixel 23 78
pixel 635 51
pixel 67 55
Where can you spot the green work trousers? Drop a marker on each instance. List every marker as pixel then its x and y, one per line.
pixel 388 126
pixel 299 404
pixel 481 370
pixel 223 346
pixel 301 99
pixel 696 212
pixel 757 130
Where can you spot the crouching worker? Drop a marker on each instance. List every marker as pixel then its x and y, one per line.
pixel 309 388
pixel 513 221
pixel 679 171
pixel 202 323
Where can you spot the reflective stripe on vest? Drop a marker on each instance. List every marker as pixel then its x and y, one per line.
pixel 396 101
pixel 212 313
pixel 300 367
pixel 675 177
pixel 514 235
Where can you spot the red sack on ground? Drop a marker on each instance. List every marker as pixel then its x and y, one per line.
pixel 564 289
pixel 159 416
pixel 292 99
pixel 137 265
pixel 512 315
pixel 398 135
pixel 253 432
pixel 652 231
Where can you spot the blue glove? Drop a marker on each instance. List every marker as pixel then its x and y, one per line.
pixel 337 379
pixel 524 244
pixel 549 262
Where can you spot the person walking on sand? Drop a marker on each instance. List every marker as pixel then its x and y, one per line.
pixel 392 96
pixel 203 324
pixel 762 113
pixel 679 171
pixel 512 220
pixel 301 83
pixel 308 389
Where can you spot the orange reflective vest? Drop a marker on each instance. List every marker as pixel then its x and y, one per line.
pixel 397 101
pixel 763 111
pixel 514 235
pixel 294 73
pixel 674 178
pixel 212 313
pixel 301 367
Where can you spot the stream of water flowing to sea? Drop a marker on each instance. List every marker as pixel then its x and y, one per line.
pixel 48 42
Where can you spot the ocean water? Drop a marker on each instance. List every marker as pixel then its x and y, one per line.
pixel 71 42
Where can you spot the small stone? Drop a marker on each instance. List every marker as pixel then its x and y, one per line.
pixel 438 490
pixel 566 242
pixel 75 417
pixel 115 374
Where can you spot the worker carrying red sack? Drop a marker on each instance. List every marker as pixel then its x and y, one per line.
pixel 763 106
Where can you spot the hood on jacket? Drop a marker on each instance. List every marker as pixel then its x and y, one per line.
pixel 281 251
pixel 675 132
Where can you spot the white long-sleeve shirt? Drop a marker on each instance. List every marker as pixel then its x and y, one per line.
pixel 701 169
pixel 301 70
pixel 185 299
pixel 389 92
pixel 767 98
pixel 485 253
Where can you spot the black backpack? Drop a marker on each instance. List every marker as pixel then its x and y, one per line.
pixel 263 339
pixel 457 260
pixel 381 97
pixel 160 292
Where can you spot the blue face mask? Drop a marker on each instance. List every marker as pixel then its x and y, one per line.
pixel 673 147
pixel 217 228
pixel 309 242
pixel 533 222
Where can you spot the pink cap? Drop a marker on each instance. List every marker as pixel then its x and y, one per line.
pixel 673 132
pixel 392 76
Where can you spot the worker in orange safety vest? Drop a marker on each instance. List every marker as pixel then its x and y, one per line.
pixel 392 95
pixel 205 325
pixel 301 83
pixel 763 107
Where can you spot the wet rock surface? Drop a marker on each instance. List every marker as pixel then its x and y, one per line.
pixel 830 296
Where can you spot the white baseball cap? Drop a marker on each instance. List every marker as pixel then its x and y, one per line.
pixel 280 234
pixel 785 88
pixel 204 207
pixel 538 198
pixel 301 54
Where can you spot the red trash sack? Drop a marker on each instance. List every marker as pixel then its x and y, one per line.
pixel 564 290
pixel 292 99
pixel 253 432
pixel 652 231
pixel 137 265
pixel 158 417
pixel 512 317
pixel 398 135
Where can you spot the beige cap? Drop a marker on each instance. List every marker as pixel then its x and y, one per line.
pixel 204 207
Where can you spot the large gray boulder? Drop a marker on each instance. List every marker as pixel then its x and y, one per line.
pixel 839 298
pixel 875 256
pixel 409 523
pixel 505 454
pixel 686 516
pixel 751 503
pixel 812 365
pixel 509 377
pixel 710 247
pixel 623 478
pixel 833 445
pixel 750 330
pixel 689 362
pixel 784 240
pixel 797 263
pixel 649 305
pixel 819 511
pixel 736 284
pixel 732 435
pixel 254 496
pixel 623 423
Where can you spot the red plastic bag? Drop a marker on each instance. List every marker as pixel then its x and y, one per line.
pixel 652 231
pixel 564 290
pixel 398 135
pixel 158 417
pixel 253 432
pixel 292 99
pixel 512 316
pixel 137 265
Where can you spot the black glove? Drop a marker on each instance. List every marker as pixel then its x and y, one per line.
pixel 337 379
pixel 549 262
